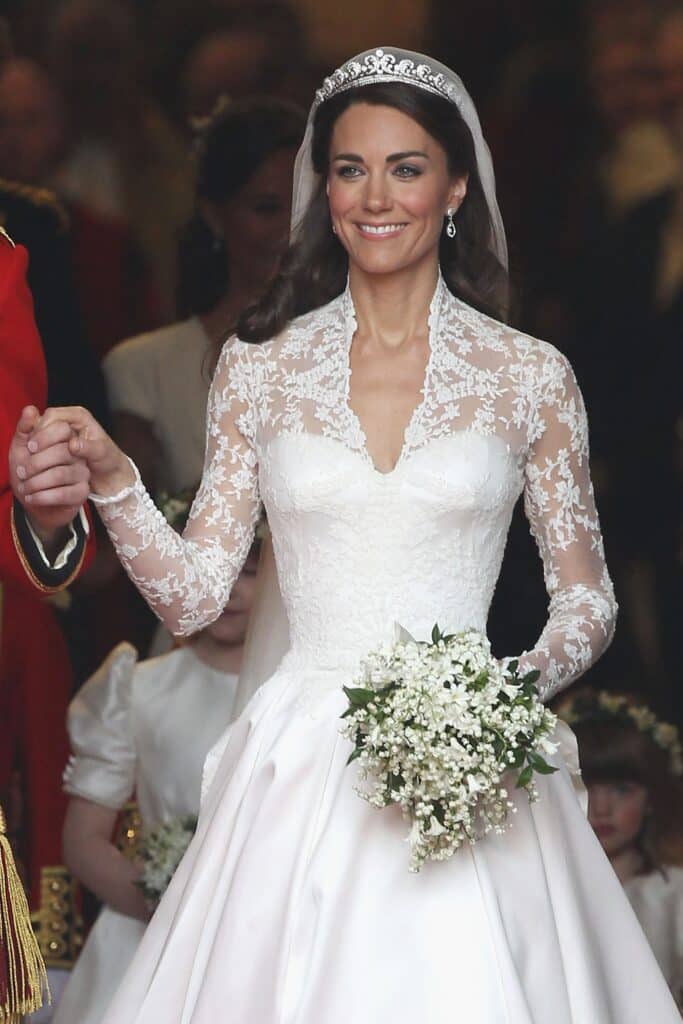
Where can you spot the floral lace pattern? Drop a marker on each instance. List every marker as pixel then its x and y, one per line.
pixel 500 414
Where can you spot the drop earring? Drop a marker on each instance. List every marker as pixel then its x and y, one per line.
pixel 450 224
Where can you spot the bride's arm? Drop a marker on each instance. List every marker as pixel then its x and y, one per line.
pixel 186 580
pixel 560 507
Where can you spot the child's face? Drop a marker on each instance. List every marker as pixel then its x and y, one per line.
pixel 616 811
pixel 230 627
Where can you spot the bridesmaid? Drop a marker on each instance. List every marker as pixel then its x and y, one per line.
pixel 140 729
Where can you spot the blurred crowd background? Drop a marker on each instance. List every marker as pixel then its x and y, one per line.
pixel 105 105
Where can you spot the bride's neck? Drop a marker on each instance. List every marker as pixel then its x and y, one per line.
pixel 393 308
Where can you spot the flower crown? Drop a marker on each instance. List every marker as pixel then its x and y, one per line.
pixel 603 706
pixel 380 66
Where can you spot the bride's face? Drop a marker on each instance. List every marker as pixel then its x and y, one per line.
pixel 389 188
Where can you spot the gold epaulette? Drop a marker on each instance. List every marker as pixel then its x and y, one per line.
pixel 40 197
pixel 3 234
pixel 57 924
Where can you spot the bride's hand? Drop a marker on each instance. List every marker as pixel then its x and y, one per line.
pixel 63 476
pixel 109 469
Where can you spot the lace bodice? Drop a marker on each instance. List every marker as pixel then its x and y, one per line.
pixel 356 549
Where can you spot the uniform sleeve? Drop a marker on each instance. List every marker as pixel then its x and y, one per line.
pixel 560 507
pixel 102 765
pixel 23 382
pixel 187 580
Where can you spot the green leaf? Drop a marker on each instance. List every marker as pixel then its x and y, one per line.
pixel 531 677
pixel 524 777
pixel 353 755
pixel 359 696
pixel 436 634
pixel 518 759
pixel 539 764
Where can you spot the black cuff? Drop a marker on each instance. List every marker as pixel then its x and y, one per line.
pixel 43 576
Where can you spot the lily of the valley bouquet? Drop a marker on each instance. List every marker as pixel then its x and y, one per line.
pixel 161 852
pixel 444 730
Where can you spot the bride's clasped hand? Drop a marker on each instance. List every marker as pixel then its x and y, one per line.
pixel 62 438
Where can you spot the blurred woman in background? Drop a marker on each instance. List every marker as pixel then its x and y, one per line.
pixel 158 381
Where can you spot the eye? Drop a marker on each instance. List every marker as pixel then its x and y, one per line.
pixel 348 171
pixel 407 171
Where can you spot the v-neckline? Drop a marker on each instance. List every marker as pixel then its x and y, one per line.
pixel 350 328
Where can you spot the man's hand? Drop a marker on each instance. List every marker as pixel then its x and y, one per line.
pixel 49 480
pixel 87 444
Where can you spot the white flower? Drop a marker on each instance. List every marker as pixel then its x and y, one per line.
pixel 161 852
pixel 444 723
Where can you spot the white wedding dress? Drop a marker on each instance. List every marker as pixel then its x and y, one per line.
pixel 294 903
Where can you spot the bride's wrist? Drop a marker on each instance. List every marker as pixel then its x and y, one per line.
pixel 115 485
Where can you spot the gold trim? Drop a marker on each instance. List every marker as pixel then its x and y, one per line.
pixel 43 587
pixel 57 924
pixel 128 835
pixel 7 238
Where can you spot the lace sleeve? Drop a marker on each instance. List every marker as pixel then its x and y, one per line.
pixel 187 580
pixel 560 507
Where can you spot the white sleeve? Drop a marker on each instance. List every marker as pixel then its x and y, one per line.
pixel 187 580
pixel 102 766
pixel 560 507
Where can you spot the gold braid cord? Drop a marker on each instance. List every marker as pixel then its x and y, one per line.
pixel 23 978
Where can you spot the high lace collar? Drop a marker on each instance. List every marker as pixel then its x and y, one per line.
pixel 441 294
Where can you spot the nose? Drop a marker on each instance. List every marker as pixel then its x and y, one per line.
pixel 600 801
pixel 377 197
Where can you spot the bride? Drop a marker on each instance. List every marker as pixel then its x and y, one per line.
pixel 388 421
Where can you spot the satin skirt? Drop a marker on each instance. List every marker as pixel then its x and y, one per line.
pixel 294 903
pixel 96 975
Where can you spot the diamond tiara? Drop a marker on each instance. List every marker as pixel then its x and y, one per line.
pixel 380 66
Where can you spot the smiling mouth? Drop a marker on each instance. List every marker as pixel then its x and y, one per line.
pixel 380 230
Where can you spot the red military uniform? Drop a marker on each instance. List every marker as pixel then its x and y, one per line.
pixel 35 673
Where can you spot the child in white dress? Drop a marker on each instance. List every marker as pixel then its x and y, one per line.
pixel 140 729
pixel 632 765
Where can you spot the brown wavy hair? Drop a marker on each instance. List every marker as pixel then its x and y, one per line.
pixel 614 750
pixel 315 267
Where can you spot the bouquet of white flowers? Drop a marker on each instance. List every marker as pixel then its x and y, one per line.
pixel 161 852
pixel 437 728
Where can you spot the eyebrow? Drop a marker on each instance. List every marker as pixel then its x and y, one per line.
pixel 391 159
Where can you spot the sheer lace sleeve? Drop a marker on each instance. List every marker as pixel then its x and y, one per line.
pixel 187 580
pixel 560 507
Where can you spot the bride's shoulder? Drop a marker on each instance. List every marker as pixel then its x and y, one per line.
pixel 301 336
pixel 504 345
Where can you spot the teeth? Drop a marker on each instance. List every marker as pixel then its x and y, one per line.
pixel 381 229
